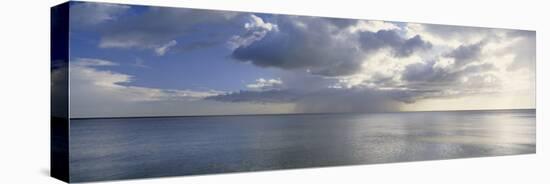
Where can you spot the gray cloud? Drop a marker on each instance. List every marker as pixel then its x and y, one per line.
pixel 422 72
pixel 427 73
pixel 473 72
pixel 425 80
pixel 372 41
pixel 465 54
pixel 525 49
pixel 322 46
pixel 325 100
pixel 297 46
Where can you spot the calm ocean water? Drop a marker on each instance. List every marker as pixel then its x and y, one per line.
pixel 105 149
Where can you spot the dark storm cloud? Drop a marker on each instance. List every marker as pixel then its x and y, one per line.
pixel 322 46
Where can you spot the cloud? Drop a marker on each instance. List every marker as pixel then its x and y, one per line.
pixel 525 47
pixel 164 48
pixel 431 74
pixel 321 101
pixel 465 54
pixel 318 64
pixel 267 96
pixel 90 14
pixel 397 73
pixel 424 71
pixel 85 62
pixel 257 23
pixel 431 80
pixel 99 92
pixel 381 60
pixel 373 26
pixel 302 43
pixel 265 84
pixel 157 26
pixel 321 46
pixel 373 41
pixel 255 28
pixel 86 79
pixel 452 36
pixel 455 71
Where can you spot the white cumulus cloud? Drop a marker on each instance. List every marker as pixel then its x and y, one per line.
pixel 164 48
pixel 265 84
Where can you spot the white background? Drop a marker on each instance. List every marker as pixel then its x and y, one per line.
pixel 24 90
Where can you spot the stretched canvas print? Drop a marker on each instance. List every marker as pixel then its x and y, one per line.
pixel 145 91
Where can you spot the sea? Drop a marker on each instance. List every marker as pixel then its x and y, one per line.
pixel 127 148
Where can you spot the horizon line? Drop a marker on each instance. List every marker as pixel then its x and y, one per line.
pixel 286 114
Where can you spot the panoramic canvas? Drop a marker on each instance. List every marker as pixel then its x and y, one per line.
pixel 144 91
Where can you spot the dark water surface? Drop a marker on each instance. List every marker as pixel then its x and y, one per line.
pixel 105 149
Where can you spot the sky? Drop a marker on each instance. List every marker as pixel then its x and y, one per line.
pixel 128 60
